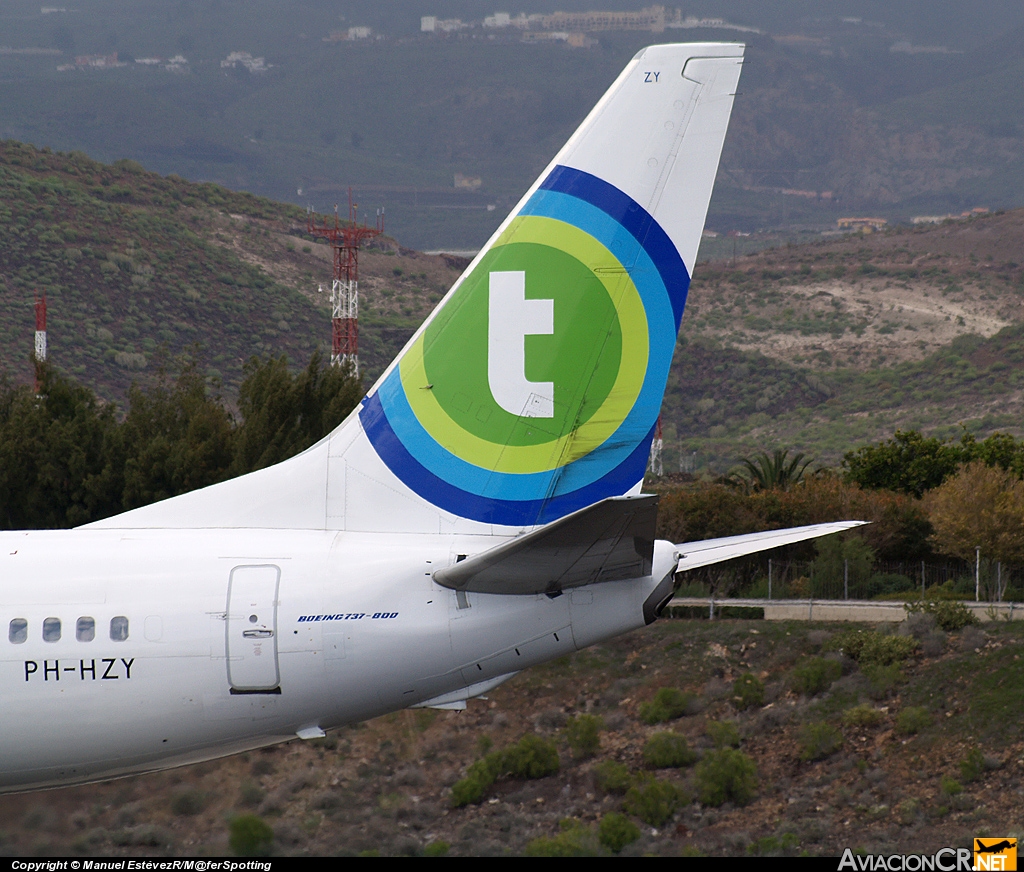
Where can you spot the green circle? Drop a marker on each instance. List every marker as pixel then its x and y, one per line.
pixel 581 357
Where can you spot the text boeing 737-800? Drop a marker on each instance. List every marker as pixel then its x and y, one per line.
pixel 480 512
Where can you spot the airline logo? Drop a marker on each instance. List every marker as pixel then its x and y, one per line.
pixel 535 390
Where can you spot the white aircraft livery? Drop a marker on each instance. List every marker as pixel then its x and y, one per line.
pixel 478 513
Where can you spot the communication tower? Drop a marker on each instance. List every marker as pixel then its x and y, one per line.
pixel 40 349
pixel 345 238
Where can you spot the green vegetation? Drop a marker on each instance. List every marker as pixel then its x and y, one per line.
pixel 250 836
pixel 871 648
pixel 726 775
pixel 785 845
pixel 530 757
pixel 949 615
pixel 912 720
pixel 724 734
pixel 668 751
pixel 668 704
pixel 188 802
pixel 574 839
pixel 616 832
pixel 66 459
pixel 813 675
pixel 583 733
pixel 863 715
pixel 818 741
pixel 950 786
pixel 437 848
pixel 611 776
pixel 653 801
pixel 972 767
pixel 776 472
pixel 747 691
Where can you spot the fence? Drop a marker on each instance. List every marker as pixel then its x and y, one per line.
pixel 986 581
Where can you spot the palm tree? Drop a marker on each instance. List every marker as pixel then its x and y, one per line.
pixel 777 472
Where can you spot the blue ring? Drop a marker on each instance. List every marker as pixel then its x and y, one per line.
pixel 636 240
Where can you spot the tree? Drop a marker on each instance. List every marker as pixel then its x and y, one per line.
pixel 981 506
pixel 53 455
pixel 285 414
pixel 907 463
pixel 912 464
pixel 778 472
pixel 840 559
pixel 176 439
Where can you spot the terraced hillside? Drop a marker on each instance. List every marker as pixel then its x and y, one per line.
pixel 818 347
pixel 137 268
pixel 905 756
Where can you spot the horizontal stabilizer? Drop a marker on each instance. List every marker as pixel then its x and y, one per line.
pixel 693 555
pixel 608 541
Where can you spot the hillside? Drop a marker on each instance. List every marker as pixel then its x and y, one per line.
pixel 818 347
pixel 909 757
pixel 824 346
pixel 896 112
pixel 137 268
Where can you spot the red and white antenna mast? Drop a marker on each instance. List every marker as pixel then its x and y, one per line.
pixel 345 239
pixel 40 349
pixel 657 467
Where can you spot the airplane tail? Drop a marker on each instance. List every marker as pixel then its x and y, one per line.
pixel 533 389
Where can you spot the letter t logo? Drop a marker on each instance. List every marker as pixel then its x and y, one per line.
pixel 510 319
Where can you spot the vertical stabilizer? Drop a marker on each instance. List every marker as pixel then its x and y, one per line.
pixel 533 389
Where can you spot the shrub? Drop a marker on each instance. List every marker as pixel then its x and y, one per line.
pixel 583 733
pixel 819 741
pixel 250 836
pixel 747 691
pixel 882 680
pixel 653 801
pixel 437 848
pixel 574 840
pixel 668 751
pixel 949 615
pixel 616 831
pixel 612 777
pixel 726 776
pixel 870 648
pixel 723 733
pixel 667 705
pixel 468 790
pixel 530 757
pixel 188 802
pixel 972 767
pixel 250 794
pixel 814 675
pixel 775 846
pixel 950 786
pixel 862 715
pixel 912 720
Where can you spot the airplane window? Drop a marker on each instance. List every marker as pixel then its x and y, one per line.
pixel 18 631
pixel 51 630
pixel 119 628
pixel 85 629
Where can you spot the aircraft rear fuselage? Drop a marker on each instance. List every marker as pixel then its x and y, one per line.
pixel 155 657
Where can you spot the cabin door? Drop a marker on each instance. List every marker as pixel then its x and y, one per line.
pixel 252 629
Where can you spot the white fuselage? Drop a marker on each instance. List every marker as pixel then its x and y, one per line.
pixel 241 638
